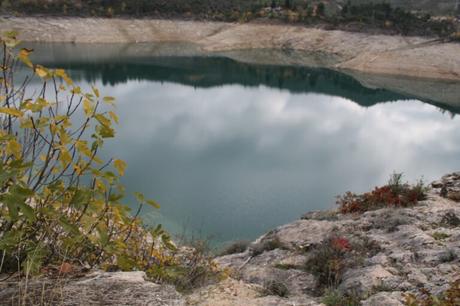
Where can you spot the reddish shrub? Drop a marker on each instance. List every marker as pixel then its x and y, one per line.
pixel 341 244
pixel 394 194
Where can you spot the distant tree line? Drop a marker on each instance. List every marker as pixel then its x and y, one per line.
pixel 352 15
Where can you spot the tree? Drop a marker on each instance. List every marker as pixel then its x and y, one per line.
pixel 58 200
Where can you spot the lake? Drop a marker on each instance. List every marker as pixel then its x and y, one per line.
pixel 231 150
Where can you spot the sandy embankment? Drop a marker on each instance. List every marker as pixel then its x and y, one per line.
pixel 358 54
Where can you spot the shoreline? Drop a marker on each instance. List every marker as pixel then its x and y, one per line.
pixel 415 57
pixel 386 255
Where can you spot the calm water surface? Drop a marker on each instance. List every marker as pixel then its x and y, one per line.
pixel 232 150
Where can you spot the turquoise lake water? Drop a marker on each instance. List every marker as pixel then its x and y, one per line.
pixel 231 150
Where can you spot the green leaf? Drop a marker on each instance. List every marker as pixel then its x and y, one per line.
pixel 7 175
pixel 67 226
pixel 157 231
pixel 12 202
pixel 27 211
pixel 114 197
pixel 80 197
pixel 36 254
pixel 22 191
pixel 103 235
pixel 125 262
pixel 167 242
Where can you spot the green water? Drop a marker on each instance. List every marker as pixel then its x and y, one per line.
pixel 231 150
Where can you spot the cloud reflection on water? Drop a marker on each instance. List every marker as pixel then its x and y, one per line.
pixel 234 161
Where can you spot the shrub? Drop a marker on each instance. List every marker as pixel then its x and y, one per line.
pixel 235 247
pixel 193 267
pixel 390 221
pixel 59 201
pixel 334 297
pixel 394 194
pixel 266 245
pixel 451 297
pixel 320 9
pixel 329 260
pixel 450 219
pixel 383 15
pixel 275 287
pixel 440 236
pixel 448 256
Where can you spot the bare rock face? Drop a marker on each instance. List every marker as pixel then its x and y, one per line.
pixel 302 233
pixel 396 251
pixel 385 299
pixel 97 288
pixel 238 293
pixel 364 280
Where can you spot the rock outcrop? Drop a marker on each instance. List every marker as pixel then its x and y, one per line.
pixel 402 250
pixel 389 253
pixel 96 288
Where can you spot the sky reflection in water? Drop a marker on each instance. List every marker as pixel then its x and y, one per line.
pixel 232 150
pixel 233 161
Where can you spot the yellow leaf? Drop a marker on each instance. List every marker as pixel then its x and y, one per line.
pixel 87 108
pixel 14 148
pixel 109 100
pixel 26 123
pixel 113 116
pixel 63 136
pixel 100 185
pixel 153 203
pixel 38 106
pixel 89 96
pixel 62 74
pixel 11 41
pixel 76 90
pixel 77 169
pixel 11 111
pixel 97 160
pixel 65 157
pixel 41 71
pixel 52 128
pixel 96 91
pixel 103 120
pixel 83 148
pixel 120 165
pixel 24 56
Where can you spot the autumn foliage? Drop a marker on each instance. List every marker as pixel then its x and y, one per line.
pixel 60 203
pixel 393 194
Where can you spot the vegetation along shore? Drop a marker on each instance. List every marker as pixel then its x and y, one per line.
pixel 69 235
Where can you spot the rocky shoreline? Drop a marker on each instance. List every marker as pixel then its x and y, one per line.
pixel 388 254
pixel 418 57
